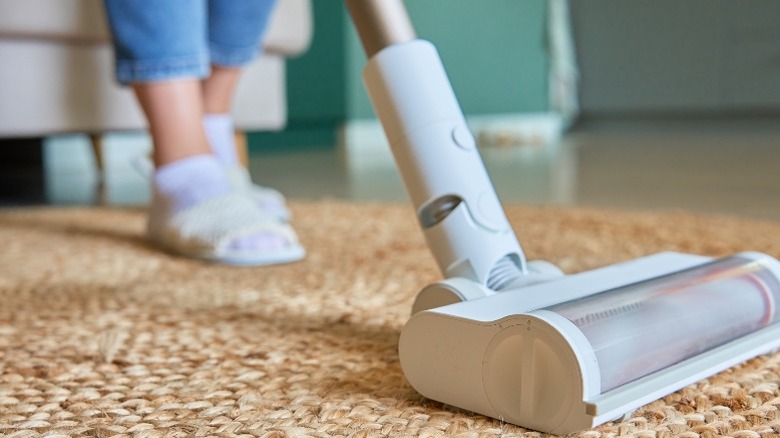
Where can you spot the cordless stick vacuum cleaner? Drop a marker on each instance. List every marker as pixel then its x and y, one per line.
pixel 520 341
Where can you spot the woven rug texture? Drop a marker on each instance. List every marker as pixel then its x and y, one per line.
pixel 102 335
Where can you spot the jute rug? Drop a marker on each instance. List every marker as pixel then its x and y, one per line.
pixel 101 335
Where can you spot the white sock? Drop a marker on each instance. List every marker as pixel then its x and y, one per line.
pixel 190 181
pixel 220 133
pixel 193 180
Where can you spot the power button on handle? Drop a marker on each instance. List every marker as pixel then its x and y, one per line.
pixel 463 138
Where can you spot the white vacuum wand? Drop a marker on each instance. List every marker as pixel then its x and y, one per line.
pixel 519 341
pixel 456 204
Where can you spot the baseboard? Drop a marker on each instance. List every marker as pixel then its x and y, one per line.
pixel 294 138
pixel 71 175
pixel 364 141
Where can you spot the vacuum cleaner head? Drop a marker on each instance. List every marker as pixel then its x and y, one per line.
pixel 584 349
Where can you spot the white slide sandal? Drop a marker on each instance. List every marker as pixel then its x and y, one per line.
pixel 268 199
pixel 205 231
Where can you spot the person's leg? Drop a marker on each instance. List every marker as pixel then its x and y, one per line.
pixel 187 172
pixel 161 49
pixel 218 89
pixel 174 110
pixel 235 33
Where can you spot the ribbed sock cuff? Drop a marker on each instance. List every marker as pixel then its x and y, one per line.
pixel 220 133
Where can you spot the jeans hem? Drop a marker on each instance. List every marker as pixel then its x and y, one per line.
pixel 232 56
pixel 128 71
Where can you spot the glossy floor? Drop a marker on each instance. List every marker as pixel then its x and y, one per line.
pixel 723 166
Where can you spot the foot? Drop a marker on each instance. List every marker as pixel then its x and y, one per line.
pixel 195 212
pixel 220 132
pixel 268 199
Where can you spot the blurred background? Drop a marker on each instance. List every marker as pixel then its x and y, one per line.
pixel 637 104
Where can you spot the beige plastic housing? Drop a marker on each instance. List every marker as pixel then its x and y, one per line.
pixel 520 369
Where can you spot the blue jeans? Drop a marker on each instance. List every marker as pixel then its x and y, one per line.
pixel 157 40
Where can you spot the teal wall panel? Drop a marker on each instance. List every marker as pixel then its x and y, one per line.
pixel 316 80
pixel 493 51
pixel 316 86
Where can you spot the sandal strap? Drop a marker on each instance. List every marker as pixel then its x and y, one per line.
pixel 215 223
pixel 240 179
